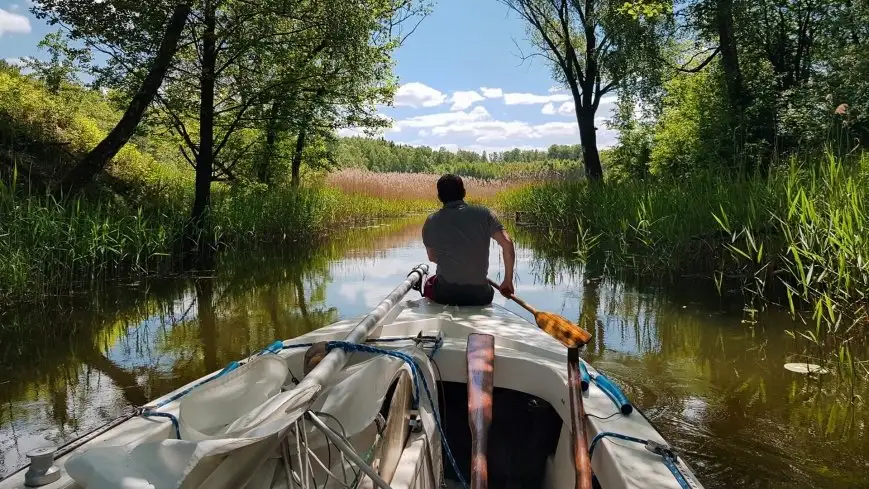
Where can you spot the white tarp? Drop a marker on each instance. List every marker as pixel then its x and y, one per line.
pixel 245 426
pixel 232 425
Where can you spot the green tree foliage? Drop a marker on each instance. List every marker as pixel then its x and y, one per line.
pixel 387 156
pixel 64 63
pixel 784 77
pixel 245 69
pixel 594 47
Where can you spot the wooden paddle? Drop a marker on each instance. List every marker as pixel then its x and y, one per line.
pixel 481 369
pixel 569 334
pixel 577 417
pixel 573 337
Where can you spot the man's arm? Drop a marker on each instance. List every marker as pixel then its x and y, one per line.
pixel 509 253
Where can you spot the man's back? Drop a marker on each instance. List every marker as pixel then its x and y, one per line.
pixel 460 234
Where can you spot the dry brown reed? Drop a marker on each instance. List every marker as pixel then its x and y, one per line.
pixel 422 186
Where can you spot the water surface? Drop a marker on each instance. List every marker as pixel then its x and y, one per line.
pixel 711 382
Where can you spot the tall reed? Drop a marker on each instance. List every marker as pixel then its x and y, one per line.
pixel 420 187
pixel 797 238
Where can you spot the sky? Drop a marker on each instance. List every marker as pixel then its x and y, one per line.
pixel 462 82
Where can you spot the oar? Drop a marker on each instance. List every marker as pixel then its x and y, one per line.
pixel 569 334
pixel 581 461
pixel 573 337
pixel 481 369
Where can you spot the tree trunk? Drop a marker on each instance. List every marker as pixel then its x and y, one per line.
pixel 132 391
pixel 208 333
pixel 297 156
pixel 264 170
pixel 588 138
pixel 99 157
pixel 301 301
pixel 736 93
pixel 205 157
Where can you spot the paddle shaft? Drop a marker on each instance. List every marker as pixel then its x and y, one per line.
pixel 481 368
pixel 515 299
pixel 579 441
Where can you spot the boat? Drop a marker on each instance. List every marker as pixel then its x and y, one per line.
pixel 412 395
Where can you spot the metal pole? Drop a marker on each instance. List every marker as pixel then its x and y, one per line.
pixel 335 360
pixel 347 450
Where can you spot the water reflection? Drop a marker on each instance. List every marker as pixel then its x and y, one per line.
pixel 711 383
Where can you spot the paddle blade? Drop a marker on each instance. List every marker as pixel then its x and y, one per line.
pixel 569 334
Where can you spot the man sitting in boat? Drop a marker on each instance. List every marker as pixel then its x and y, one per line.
pixel 456 238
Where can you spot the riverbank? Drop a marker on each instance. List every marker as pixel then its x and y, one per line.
pixel 796 238
pixel 51 247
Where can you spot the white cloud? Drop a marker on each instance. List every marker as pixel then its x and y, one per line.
pixel 467 125
pixel 567 108
pixel 492 92
pixel 346 132
pixel 442 119
pixel 530 98
pixel 492 130
pixel 415 94
pixel 15 61
pixel 556 89
pixel 463 100
pixel 13 23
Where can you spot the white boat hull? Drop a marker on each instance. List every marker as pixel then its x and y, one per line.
pixel 527 361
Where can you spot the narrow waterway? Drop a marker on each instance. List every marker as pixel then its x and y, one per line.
pixel 710 380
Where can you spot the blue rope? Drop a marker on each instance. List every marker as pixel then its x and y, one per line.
pixel 158 414
pixel 654 447
pixel 151 411
pixel 417 376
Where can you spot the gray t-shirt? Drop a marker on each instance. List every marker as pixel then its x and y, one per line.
pixel 460 234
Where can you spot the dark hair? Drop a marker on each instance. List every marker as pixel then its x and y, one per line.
pixel 450 188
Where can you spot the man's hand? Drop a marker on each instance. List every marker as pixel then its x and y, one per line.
pixel 506 287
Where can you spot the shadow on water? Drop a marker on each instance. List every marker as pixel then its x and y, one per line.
pixel 710 381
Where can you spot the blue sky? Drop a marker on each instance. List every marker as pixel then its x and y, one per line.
pixel 462 82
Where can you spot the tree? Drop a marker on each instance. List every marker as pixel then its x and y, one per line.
pixel 233 57
pixel 64 64
pixel 246 62
pixel 99 157
pixel 595 47
pixel 343 87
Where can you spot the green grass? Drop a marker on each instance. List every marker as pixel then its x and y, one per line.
pixel 798 238
pixel 54 248
pixel 124 226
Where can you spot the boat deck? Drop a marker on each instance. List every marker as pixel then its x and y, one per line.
pixel 530 435
pixel 527 360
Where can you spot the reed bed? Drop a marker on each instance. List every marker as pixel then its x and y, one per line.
pixel 532 171
pixel 421 187
pixel 797 238
pixel 48 247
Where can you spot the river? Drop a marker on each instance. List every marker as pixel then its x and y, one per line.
pixel 710 380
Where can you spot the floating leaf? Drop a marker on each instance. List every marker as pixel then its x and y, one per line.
pixel 806 368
